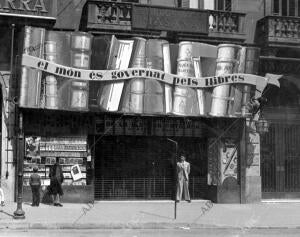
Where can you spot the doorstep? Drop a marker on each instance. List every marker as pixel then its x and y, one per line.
pixel 280 200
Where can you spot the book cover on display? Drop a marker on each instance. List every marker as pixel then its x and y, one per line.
pixel 79 72
pixel 76 172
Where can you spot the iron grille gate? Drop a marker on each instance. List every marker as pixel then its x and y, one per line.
pixel 142 168
pixel 145 188
pixel 280 161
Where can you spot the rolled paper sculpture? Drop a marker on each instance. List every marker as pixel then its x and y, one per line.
pixel 185 100
pixel 168 69
pixel 30 88
pixel 154 90
pixel 144 95
pixel 223 96
pixel 80 58
pixel 57 50
pixel 204 59
pixel 109 94
pixel 51 98
pixel 133 99
pixel 249 63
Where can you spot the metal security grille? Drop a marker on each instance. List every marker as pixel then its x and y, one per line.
pixel 145 188
pixel 280 161
pixel 134 188
pixel 143 167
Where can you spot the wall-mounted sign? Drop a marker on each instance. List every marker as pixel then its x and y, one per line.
pixel 149 127
pixel 169 19
pixel 29 8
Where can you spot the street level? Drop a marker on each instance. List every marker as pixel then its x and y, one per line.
pixel 153 232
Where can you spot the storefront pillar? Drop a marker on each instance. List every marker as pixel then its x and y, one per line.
pixel 252 166
pixel 226 180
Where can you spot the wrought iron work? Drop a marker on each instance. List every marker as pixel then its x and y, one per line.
pixel 280 161
pixel 145 188
pixel 221 21
pixel 109 15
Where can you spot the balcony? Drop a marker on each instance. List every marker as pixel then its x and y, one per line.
pixel 108 15
pixel 278 31
pixel 226 25
pixel 158 21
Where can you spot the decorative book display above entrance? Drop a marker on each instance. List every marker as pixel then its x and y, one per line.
pixel 79 72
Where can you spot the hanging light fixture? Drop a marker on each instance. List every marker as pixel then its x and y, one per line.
pixel 262 125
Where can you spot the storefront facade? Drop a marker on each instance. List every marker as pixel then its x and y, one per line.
pixel 125 153
pixel 13 17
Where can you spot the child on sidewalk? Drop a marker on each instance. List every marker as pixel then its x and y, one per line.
pixel 35 184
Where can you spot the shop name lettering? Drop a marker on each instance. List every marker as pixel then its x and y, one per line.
pixel 62 71
pixel 212 81
pixel 127 74
pixel 124 74
pixel 23 5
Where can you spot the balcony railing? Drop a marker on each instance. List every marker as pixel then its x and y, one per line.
pixel 278 31
pixel 134 18
pixel 109 15
pixel 226 24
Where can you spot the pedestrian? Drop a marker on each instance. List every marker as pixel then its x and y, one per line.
pixel 56 179
pixel 183 171
pixel 1 197
pixel 35 184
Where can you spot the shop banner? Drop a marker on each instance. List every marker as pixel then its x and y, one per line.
pixel 114 75
pixel 80 72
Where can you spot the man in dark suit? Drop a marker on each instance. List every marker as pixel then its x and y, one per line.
pixel 35 184
pixel 183 171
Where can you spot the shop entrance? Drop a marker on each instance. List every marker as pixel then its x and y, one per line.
pixel 280 164
pixel 280 149
pixel 140 167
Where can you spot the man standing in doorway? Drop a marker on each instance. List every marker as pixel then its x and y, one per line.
pixel 183 171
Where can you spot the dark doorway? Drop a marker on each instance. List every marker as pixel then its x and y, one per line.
pixel 280 164
pixel 138 167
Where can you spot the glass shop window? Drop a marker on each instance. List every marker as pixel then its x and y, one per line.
pixel 286 7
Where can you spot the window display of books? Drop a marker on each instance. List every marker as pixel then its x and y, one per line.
pixel 67 147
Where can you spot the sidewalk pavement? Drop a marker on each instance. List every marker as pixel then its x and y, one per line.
pixel 152 214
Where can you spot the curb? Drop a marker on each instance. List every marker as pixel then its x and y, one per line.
pixel 150 225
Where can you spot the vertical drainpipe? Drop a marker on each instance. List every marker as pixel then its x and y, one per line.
pixel 19 144
pixel 19 213
pixel 243 158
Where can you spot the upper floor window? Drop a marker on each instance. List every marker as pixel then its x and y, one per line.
pixel 130 1
pixel 223 5
pixel 286 7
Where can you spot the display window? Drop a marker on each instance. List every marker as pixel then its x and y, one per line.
pixel 42 152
